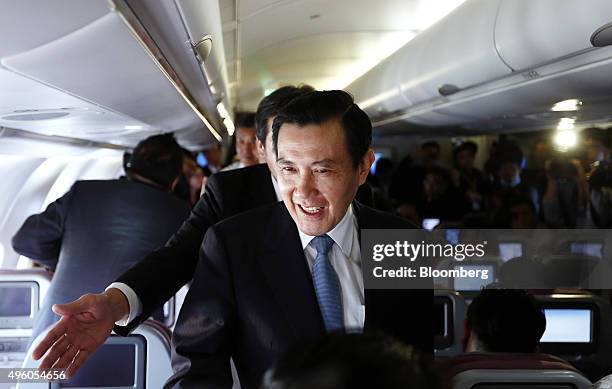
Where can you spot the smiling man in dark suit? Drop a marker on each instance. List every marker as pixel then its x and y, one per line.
pixel 281 273
pixel 88 321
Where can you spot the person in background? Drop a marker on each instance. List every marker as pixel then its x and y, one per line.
pixel 99 229
pixel 517 213
pixel 470 181
pixel 190 181
pixel 504 320
pixel 213 157
pixel 351 361
pixel 596 142
pixel 507 163
pixel 246 147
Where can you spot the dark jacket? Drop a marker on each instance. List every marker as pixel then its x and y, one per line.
pixel 95 232
pixel 163 272
pixel 252 297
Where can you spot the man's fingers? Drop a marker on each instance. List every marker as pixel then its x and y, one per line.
pixel 52 336
pixel 78 362
pixel 56 351
pixel 77 306
pixel 67 357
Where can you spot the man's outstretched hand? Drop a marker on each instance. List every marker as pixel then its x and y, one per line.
pixel 85 324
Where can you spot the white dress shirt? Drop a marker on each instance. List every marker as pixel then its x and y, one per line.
pixel 233 166
pixel 133 299
pixel 345 258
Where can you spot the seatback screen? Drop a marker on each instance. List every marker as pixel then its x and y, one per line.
pixel 15 301
pixel 475 283
pixel 508 251
pixel 112 366
pixel 592 249
pixel 572 325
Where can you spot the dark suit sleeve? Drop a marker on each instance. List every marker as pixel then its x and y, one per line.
pixel 40 236
pixel 163 272
pixel 201 343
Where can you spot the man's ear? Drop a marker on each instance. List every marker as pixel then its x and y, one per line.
pixel 364 166
pixel 261 151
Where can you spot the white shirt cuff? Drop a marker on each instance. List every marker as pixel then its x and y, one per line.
pixel 133 301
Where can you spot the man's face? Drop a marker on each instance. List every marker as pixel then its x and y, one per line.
pixel 509 173
pixel 316 175
pixel 245 146
pixel 465 159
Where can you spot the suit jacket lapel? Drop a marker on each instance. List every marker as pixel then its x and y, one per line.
pixel 286 271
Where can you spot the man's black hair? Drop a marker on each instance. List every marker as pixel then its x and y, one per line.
pixel 506 320
pixel 271 104
pixel 352 361
pixel 245 119
pixel 466 146
pixel 508 151
pixel 321 106
pixel 158 158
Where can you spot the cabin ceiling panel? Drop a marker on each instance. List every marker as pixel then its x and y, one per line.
pixel 114 73
pixel 276 37
pixel 30 24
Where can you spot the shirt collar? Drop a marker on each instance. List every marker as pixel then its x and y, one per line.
pixel 341 234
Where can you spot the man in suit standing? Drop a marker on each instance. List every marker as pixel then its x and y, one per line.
pixel 99 229
pixel 88 321
pixel 285 272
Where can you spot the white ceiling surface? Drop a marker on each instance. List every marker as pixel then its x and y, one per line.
pixel 78 58
pixel 326 44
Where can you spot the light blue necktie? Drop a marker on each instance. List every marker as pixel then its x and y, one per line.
pixel 327 285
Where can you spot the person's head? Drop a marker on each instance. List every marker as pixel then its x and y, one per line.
pixel 266 111
pixel 504 320
pixel 596 143
pixel 350 361
pixel 540 152
pixel 437 181
pixel 246 148
pixel 523 213
pixel 509 159
pixel 158 159
pixel 464 155
pixel 322 144
pixel 429 153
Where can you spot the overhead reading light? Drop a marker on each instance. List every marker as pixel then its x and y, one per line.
pixel 602 36
pixel 203 47
pixel 567 105
pixel 565 139
pixel 566 124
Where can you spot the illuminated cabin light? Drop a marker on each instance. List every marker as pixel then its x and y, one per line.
pixel 566 124
pixel 229 124
pixel 132 127
pixel 567 105
pixel 222 111
pixel 565 139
